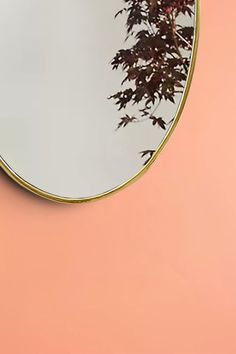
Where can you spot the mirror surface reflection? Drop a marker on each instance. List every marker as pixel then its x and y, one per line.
pixel 90 89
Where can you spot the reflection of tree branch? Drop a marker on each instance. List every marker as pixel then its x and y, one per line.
pixel 156 66
pixel 183 39
pixel 172 19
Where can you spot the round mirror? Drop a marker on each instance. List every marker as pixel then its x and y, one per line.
pixel 90 90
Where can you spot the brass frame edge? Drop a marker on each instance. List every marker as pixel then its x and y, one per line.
pixel 59 199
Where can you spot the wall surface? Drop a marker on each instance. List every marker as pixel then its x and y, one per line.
pixel 151 270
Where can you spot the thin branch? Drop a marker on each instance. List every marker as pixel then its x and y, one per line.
pixel 172 19
pixel 183 39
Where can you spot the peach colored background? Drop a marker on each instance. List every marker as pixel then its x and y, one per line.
pixel 151 270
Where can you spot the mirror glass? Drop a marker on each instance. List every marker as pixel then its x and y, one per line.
pixel 90 89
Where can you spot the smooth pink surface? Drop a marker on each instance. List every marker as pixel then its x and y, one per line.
pixel 151 270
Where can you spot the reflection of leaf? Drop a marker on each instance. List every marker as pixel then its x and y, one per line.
pixel 124 121
pixel 120 12
pixel 148 153
pixel 159 121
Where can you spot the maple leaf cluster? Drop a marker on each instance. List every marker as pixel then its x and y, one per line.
pixel 156 65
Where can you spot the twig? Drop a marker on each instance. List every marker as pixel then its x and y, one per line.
pixel 183 39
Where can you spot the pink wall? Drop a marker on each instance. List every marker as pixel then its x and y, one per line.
pixel 151 270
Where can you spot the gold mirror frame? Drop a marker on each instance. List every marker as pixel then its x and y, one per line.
pixel 55 198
